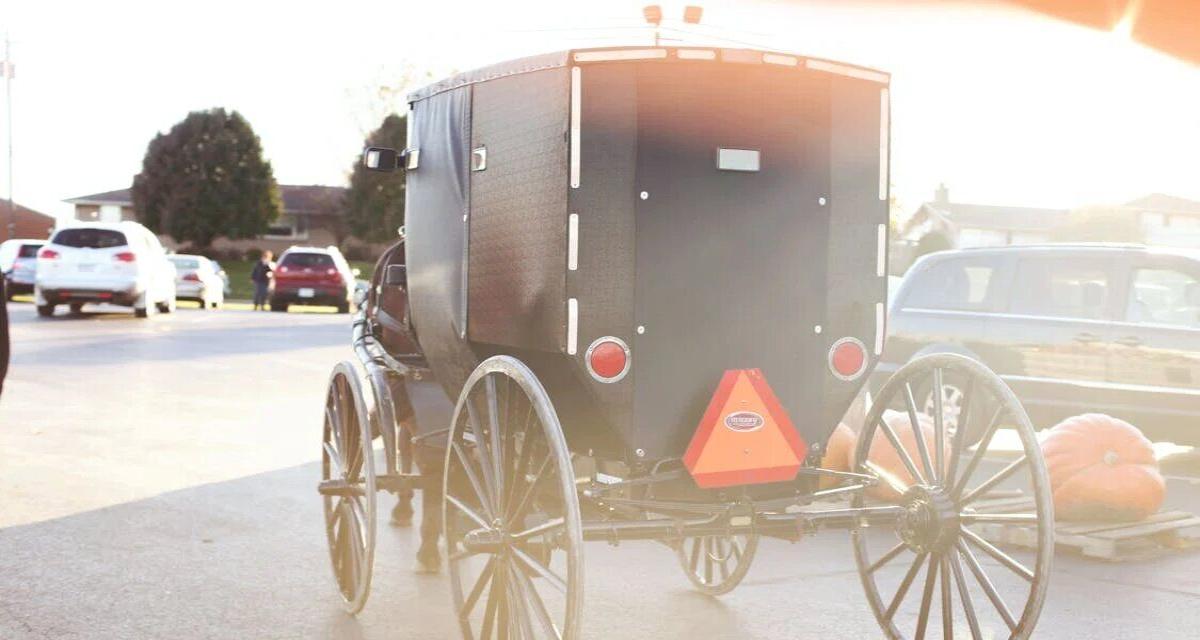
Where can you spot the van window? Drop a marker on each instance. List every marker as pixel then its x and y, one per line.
pixel 955 285
pixel 1164 296
pixel 28 250
pixel 84 238
pixel 1061 287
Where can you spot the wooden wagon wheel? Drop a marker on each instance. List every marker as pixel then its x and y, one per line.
pixel 510 509
pixel 347 456
pixel 717 564
pixel 950 487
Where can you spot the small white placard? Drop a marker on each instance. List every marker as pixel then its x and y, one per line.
pixel 737 159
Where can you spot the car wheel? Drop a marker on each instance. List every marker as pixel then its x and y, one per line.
pixel 76 308
pixel 45 310
pixel 344 307
pixel 141 312
pixel 279 306
pixel 954 401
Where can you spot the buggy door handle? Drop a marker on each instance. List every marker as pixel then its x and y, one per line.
pixel 1129 341
pixel 1086 337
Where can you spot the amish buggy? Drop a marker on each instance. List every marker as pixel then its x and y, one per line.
pixel 638 288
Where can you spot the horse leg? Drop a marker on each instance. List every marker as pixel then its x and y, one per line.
pixel 429 559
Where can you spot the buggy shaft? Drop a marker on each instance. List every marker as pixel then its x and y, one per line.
pixel 770 524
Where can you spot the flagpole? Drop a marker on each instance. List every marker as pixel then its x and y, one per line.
pixel 8 75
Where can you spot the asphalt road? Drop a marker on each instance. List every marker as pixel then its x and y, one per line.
pixel 157 480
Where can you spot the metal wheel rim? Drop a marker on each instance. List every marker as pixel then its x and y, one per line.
pixel 954 564
pixel 705 561
pixel 529 620
pixel 341 513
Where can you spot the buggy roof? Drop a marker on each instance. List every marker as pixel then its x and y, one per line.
pixel 612 54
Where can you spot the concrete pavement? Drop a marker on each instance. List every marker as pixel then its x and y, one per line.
pixel 157 480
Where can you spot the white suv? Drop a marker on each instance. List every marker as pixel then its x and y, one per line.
pixel 118 263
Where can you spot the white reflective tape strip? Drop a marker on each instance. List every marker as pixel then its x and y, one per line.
pixel 879 328
pixel 881 251
pixel 884 97
pixel 775 58
pixel 572 326
pixel 576 107
pixel 696 54
pixel 573 242
pixel 847 70
pixel 620 54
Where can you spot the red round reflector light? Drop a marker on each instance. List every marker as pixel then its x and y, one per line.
pixel 848 358
pixel 607 359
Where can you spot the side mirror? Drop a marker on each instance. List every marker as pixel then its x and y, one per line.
pixel 381 159
pixel 396 275
pixel 356 272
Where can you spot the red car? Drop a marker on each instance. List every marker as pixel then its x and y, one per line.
pixel 313 276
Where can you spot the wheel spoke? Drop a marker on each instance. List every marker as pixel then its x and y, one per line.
pixel 477 589
pixel 493 411
pixel 887 557
pixel 334 460
pixel 986 584
pixel 939 425
pixel 926 598
pixel 519 510
pixel 489 610
pixel 695 563
pixel 958 440
pixel 910 405
pixel 887 477
pixel 980 451
pixel 899 447
pixel 481 448
pixel 965 596
pixel 904 585
pixel 1000 556
pixel 999 518
pixel 993 481
pixel 484 499
pixel 538 606
pixel 541 570
pixel 708 561
pixel 947 601
pixel 470 513
pixel 549 525
pixel 518 476
pixel 519 606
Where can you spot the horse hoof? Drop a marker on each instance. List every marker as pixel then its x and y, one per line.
pixel 401 517
pixel 431 563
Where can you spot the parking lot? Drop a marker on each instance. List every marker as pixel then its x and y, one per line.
pixel 159 481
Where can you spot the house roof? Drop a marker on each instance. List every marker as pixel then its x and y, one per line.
pixel 20 210
pixel 297 198
pixel 1162 203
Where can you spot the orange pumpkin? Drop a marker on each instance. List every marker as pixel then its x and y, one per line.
pixel 838 452
pixel 1102 468
pixel 885 456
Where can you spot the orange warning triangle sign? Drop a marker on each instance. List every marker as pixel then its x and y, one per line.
pixel 745 436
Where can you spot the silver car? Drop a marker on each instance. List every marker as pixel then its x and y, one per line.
pixel 198 279
pixel 20 270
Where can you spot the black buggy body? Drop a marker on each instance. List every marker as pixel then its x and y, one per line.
pixel 638 289
pixel 710 209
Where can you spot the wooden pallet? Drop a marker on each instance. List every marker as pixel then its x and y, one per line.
pixel 1162 533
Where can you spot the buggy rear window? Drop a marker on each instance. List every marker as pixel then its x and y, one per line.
pixel 90 238
pixel 28 250
pixel 307 260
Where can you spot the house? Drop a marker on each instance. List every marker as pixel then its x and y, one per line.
pixel 22 222
pixel 1167 220
pixel 942 224
pixel 312 215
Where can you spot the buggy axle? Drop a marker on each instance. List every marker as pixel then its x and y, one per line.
pixel 393 482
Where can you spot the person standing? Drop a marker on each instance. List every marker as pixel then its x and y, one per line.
pixel 3 333
pixel 263 272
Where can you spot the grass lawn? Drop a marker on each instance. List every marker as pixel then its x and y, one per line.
pixel 243 289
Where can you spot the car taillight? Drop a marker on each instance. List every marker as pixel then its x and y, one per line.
pixel 125 256
pixel 331 272
pixel 848 358
pixel 607 359
pixel 192 277
pixel 48 254
pixel 282 269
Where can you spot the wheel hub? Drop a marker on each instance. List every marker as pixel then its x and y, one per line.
pixel 930 520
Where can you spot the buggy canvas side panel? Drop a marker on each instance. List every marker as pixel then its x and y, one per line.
pixel 518 218
pixel 436 207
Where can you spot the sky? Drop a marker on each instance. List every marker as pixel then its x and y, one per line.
pixel 1002 105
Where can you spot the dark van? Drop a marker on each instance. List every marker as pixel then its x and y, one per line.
pixel 1071 328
